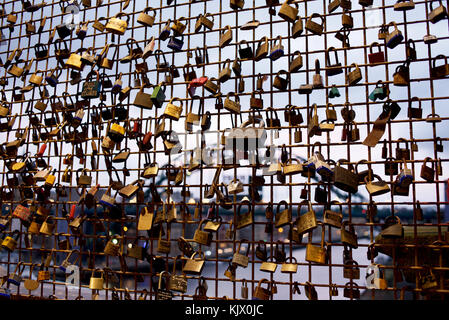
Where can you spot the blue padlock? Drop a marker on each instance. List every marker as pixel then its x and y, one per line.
pixel 394 38
pixel 175 43
pixel 405 177
pixel 277 50
pixel 165 33
pixel 5 293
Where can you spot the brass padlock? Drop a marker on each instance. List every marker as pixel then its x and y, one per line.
pixel 225 37
pixel 296 62
pixel 112 247
pixel 9 243
pixel 348 237
pixel 279 82
pixel 291 267
pixel 236 4
pixel 96 283
pixel 306 222
pixel 317 78
pixel 201 236
pixel 261 293
pixel 317 254
pixel 145 19
pixel 262 49
pixel 346 20
pixel 164 245
pixel 117 26
pixel 313 27
pixel 172 111
pixel 287 12
pixel 354 76
pixel 438 13
pixel 241 259
pixel 401 76
pixel 194 265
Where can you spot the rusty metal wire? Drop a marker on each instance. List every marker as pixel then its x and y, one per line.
pixel 406 258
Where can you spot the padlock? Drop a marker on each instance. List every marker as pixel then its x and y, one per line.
pixel 314 27
pixel 241 259
pixel 279 82
pixel 277 50
pixel 261 293
pixel 95 282
pixel 317 254
pixel 194 265
pixel 66 262
pixel 268 266
pixel 348 236
pixel 91 89
pixel 438 13
pixel 202 237
pixel 376 57
pixel 225 37
pixel 117 26
pixel 164 245
pixel 145 19
pixel 287 12
pixel 158 95
pixel 203 20
pixel 401 77
pixel 354 76
pixel 176 44
pixel 395 37
pixel 245 52
pixel 346 20
pixel 306 222
pixel 172 111
pixel 9 243
pixel 405 177
pixel 333 5
pixel 438 72
pixel 428 173
pixel 48 226
pixel 376 188
pixel 262 49
pixel 374 278
pixel 177 283
pixel 351 291
pixel 236 4
pixel 331 217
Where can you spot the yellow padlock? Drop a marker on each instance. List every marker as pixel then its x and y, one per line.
pixel 116 25
pixel 10 242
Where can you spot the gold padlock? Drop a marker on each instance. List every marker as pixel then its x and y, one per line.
pixel 354 76
pixel 116 25
pixel 288 13
pixel 96 283
pixel 313 27
pixel 145 19
pixel 317 254
pixel 172 111
pixel 10 242
pixel 35 79
pixel 74 61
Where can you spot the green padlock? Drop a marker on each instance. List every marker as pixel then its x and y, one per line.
pixel 380 92
pixel 158 95
pixel 334 93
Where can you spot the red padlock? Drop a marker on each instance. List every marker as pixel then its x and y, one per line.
pixel 198 82
pixel 147 138
pixel 72 212
pixel 376 57
pixel 42 150
pixel 137 126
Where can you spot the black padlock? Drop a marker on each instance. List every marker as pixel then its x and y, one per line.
pixel 320 194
